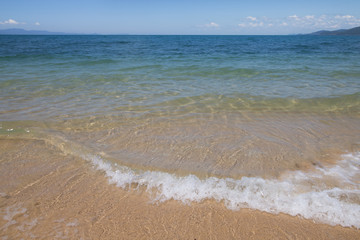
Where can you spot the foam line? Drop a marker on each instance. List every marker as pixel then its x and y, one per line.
pixel 297 193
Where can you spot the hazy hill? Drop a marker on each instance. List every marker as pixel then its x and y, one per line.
pixel 19 31
pixel 341 32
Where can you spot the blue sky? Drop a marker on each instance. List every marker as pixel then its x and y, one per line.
pixel 179 17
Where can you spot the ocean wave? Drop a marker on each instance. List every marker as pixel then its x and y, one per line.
pixel 327 194
pixel 297 193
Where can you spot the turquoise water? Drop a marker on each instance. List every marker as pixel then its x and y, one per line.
pixel 77 76
pixel 252 121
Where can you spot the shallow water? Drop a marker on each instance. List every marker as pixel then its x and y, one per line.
pixel 46 194
pixel 226 117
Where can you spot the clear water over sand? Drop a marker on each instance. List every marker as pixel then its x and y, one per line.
pixel 264 122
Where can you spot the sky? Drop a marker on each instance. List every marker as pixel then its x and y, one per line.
pixel 218 17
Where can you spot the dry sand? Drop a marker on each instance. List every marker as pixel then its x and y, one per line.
pixel 45 194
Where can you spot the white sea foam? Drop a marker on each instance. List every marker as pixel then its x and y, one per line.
pixel 306 194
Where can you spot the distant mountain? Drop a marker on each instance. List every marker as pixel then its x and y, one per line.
pixel 18 31
pixel 342 32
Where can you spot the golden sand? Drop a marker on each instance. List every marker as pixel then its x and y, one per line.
pixel 45 194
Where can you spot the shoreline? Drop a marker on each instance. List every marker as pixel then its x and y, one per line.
pixel 47 194
pixel 221 146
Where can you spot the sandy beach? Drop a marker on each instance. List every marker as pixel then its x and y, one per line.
pixel 46 194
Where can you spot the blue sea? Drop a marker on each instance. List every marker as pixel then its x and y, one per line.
pixel 264 122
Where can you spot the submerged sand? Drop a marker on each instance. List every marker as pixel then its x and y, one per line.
pixel 45 194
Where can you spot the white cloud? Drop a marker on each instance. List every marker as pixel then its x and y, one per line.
pixel 344 17
pixel 356 23
pixel 251 18
pixel 37 24
pixel 10 21
pixel 335 26
pixel 212 24
pixel 304 23
pixel 260 24
pixel 330 22
pixel 295 17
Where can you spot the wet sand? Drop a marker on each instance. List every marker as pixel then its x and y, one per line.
pixel 45 194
